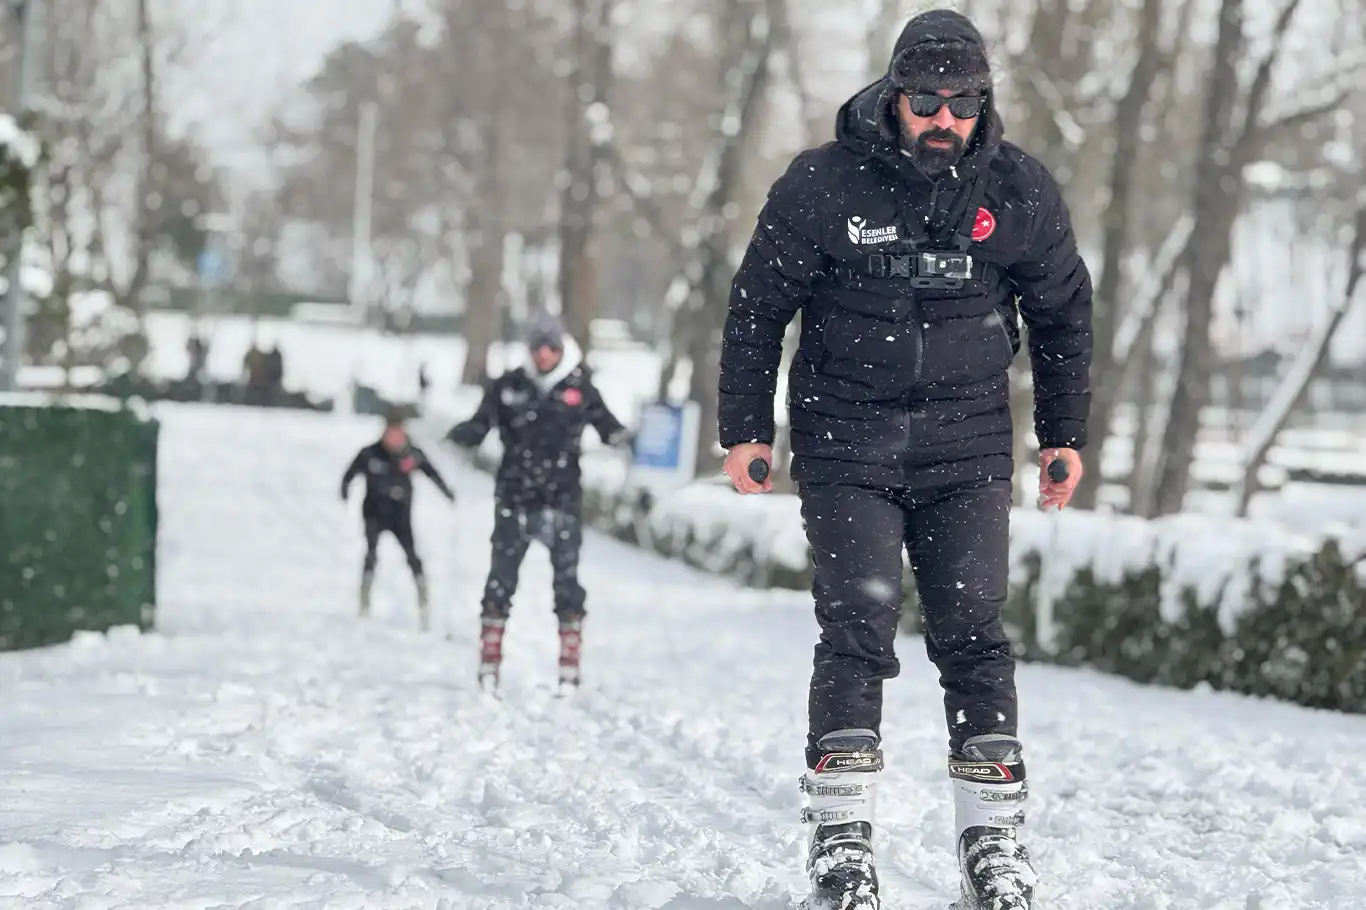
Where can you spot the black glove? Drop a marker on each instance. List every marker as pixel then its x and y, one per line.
pixel 456 438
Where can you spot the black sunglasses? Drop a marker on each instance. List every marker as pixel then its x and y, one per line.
pixel 964 107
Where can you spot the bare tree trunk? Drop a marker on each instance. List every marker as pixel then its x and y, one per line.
pixel 484 231
pixel 1144 439
pixel 880 38
pixel 785 37
pixel 1042 109
pixel 1219 191
pixel 678 329
pixel 1115 221
pixel 144 229
pixel 749 30
pixel 1144 367
pixel 1291 391
pixel 587 157
pixel 483 303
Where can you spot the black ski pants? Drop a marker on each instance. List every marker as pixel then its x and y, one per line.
pixel 398 522
pixel 515 526
pixel 958 543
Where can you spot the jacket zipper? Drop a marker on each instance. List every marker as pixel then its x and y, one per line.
pixel 919 347
pixel 934 207
pixel 918 332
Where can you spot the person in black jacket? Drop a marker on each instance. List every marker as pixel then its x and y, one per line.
pixel 540 415
pixel 388 465
pixel 911 245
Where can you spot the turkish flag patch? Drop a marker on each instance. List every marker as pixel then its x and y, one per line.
pixel 407 464
pixel 984 225
pixel 572 397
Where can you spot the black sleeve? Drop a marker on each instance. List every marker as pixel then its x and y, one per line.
pixel 784 258
pixel 424 464
pixel 1054 288
pixel 357 465
pixel 609 429
pixel 471 432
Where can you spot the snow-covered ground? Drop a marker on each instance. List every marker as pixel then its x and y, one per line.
pixel 267 749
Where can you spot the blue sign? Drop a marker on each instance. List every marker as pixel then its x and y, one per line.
pixel 659 440
pixel 665 449
pixel 213 266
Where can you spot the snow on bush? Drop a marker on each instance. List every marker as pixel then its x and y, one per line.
pixel 1212 556
pixel 1215 557
pixel 19 143
pixel 768 527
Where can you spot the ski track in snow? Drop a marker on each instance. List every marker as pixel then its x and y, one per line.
pixel 267 749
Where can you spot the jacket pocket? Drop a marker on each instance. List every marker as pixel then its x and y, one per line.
pixel 967 350
pixel 871 344
pixel 1010 326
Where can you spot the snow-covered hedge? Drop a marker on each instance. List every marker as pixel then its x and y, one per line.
pixel 1195 600
pixel 1290 625
pixel 1185 601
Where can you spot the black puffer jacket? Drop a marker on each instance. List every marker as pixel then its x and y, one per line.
pixel 540 421
pixel 389 478
pixel 894 384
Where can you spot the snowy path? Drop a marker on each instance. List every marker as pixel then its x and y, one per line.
pixel 270 751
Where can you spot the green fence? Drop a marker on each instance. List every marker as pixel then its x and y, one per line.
pixel 78 522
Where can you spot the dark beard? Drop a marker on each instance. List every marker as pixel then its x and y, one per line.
pixel 934 161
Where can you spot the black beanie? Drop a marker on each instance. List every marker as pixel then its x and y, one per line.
pixel 940 50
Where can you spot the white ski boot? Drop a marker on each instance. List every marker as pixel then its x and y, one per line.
pixel 989 793
pixel 841 795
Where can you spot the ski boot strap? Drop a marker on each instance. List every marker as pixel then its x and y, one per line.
pixel 842 788
pixel 839 802
pixel 988 794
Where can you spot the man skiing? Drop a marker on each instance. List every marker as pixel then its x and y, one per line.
pixel 911 244
pixel 540 414
pixel 388 465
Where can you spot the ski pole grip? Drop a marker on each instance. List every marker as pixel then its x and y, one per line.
pixel 758 470
pixel 1057 470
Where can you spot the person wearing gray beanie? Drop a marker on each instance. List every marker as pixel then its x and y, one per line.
pixel 546 331
pixel 540 413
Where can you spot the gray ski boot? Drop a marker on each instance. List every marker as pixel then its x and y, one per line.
pixel 841 795
pixel 989 793
pixel 424 613
pixel 367 579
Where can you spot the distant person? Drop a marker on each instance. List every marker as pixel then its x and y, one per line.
pixel 254 367
pixel 274 374
pixel 198 350
pixel 275 367
pixel 388 465
pixel 540 414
